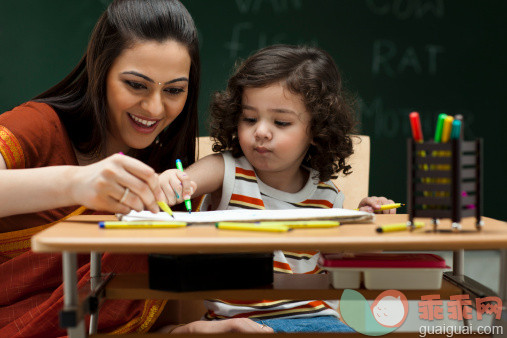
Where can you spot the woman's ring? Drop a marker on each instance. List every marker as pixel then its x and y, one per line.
pixel 124 196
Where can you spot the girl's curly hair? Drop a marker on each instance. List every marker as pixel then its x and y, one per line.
pixel 306 71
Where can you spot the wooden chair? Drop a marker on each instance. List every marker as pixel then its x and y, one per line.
pixel 354 186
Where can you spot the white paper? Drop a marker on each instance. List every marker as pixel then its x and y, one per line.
pixel 342 215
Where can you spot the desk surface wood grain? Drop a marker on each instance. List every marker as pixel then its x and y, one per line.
pixel 82 234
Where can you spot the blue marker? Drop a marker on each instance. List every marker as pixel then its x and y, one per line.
pixel 456 129
pixel 188 204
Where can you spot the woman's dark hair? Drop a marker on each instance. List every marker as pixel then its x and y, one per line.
pixel 80 98
pixel 306 71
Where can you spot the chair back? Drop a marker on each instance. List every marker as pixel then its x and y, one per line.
pixel 354 185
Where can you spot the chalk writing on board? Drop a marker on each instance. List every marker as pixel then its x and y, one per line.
pixel 390 59
pixel 278 6
pixel 407 9
pixel 392 122
pixel 234 45
pixel 243 34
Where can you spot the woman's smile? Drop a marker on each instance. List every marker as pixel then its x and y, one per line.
pixel 143 124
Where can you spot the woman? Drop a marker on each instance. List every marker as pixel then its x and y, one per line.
pixel 134 91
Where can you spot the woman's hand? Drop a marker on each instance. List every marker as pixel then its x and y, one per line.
pixel 243 325
pixel 373 203
pixel 176 186
pixel 118 184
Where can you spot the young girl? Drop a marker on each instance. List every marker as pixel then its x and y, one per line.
pixel 282 128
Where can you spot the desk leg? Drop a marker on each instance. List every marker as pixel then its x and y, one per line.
pixel 95 275
pixel 458 270
pixel 70 296
pixel 458 263
pixel 502 292
pixel 502 289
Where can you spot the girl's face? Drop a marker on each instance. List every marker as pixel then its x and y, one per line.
pixel 273 128
pixel 147 87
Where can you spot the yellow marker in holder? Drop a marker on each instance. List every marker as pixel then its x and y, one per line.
pixel 446 130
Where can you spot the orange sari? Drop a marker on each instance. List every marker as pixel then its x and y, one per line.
pixel 31 293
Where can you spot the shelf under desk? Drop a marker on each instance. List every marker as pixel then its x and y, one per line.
pixel 135 286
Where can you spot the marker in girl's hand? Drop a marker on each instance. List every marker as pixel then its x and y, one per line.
pixel 388 206
pixel 188 204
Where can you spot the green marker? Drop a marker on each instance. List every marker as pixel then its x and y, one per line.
pixel 188 204
pixel 440 127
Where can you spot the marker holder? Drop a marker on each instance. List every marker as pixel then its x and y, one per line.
pixel 444 181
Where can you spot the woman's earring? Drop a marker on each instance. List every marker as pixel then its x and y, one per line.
pixel 157 141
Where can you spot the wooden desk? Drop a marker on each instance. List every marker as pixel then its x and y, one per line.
pixel 81 234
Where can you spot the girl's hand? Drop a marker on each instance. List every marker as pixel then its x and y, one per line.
pixel 176 186
pixel 373 203
pixel 101 186
pixel 243 325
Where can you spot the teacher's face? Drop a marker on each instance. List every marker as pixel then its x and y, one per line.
pixel 147 87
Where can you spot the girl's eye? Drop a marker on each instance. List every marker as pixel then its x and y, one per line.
pixel 135 85
pixel 248 119
pixel 174 91
pixel 282 124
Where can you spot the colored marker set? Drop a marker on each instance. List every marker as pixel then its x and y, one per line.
pixel 444 175
pixel 448 127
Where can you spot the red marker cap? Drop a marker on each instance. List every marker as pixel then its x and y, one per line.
pixel 415 123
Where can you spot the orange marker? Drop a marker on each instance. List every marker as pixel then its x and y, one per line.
pixel 446 130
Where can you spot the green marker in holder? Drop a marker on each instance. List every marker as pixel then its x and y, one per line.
pixel 440 127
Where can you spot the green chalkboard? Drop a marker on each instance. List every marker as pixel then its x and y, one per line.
pixel 432 56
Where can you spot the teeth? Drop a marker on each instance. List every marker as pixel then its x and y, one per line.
pixel 143 122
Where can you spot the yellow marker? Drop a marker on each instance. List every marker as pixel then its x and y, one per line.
pixel 446 130
pixel 303 224
pixel 398 227
pixel 388 206
pixel 164 207
pixel 251 227
pixel 141 224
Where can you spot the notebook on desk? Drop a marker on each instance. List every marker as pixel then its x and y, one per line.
pixel 244 215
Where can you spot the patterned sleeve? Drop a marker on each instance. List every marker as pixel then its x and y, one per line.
pixel 11 149
pixel 29 135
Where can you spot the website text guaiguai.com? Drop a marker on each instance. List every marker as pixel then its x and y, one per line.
pixel 451 330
